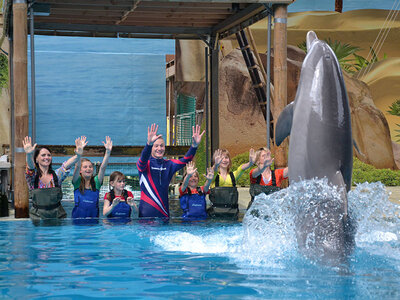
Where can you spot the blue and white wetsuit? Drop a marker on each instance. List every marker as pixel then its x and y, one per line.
pixel 155 176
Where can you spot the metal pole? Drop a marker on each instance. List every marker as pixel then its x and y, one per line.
pixel 268 83
pixel 33 83
pixel 207 108
pixel 11 65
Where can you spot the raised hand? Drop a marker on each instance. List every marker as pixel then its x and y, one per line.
pixel 252 156
pixel 80 143
pixel 191 168
pixel 152 134
pixel 267 163
pixel 196 135
pixel 210 174
pixel 27 143
pixel 218 157
pixel 108 144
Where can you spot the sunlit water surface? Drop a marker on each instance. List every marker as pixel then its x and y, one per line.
pixel 256 259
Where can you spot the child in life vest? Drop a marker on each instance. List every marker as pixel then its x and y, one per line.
pixel 87 187
pixel 192 198
pixel 118 202
pixel 223 163
pixel 224 195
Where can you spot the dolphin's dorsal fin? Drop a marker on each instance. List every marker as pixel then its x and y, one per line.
pixel 284 124
pixel 311 36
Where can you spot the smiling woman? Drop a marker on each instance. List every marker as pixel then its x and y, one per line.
pixel 45 183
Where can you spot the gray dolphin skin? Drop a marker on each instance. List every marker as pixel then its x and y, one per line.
pixel 319 125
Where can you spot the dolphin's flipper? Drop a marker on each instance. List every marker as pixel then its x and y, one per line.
pixel 284 124
pixel 311 36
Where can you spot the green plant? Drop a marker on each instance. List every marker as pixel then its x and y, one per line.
pixel 366 173
pixel 242 158
pixel 394 110
pixel 200 158
pixel 343 51
pixel 3 71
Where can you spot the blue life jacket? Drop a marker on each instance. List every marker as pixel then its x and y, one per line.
pixel 194 205
pixel 86 205
pixel 123 209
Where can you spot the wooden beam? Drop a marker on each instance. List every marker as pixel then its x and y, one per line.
pixel 126 13
pixel 239 17
pixel 20 86
pixel 122 29
pixel 280 75
pixel 211 13
pixel 117 151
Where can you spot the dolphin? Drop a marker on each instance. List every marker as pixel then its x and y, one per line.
pixel 319 124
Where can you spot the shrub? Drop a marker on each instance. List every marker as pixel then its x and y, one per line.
pixel 366 173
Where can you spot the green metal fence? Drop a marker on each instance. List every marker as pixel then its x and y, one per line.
pixel 185 119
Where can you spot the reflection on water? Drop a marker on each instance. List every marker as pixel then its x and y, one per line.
pixel 200 259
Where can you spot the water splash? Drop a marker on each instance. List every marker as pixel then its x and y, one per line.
pixel 267 237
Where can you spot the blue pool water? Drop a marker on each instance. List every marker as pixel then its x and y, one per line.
pixel 201 260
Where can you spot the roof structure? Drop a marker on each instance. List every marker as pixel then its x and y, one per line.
pixel 147 19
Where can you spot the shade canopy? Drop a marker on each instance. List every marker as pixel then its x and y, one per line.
pixel 147 19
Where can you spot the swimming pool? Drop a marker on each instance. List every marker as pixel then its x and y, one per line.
pixel 202 260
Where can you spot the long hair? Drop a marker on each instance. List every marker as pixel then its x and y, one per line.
pixel 35 155
pixel 83 180
pixel 224 152
pixel 113 177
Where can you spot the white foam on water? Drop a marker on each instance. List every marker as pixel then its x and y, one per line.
pixel 267 236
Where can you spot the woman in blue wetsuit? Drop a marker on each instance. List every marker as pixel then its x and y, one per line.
pixel 118 202
pixel 156 173
pixel 87 186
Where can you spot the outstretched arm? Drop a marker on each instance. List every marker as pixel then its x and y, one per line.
pixel 218 156
pixel 260 169
pixel 78 152
pixel 29 150
pixel 196 137
pixel 252 158
pixel 80 143
pixel 209 176
pixel 108 146
pixel 151 138
pixel 190 170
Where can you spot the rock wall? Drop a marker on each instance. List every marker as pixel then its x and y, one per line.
pixel 242 124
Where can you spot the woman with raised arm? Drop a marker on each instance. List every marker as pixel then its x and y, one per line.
pixel 44 182
pixel 156 172
pixel 263 179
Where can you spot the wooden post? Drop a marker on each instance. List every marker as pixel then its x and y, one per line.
pixel 20 79
pixel 280 75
